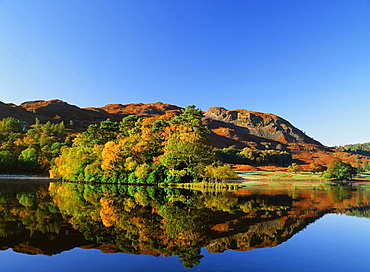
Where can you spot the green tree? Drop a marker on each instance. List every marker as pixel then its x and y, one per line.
pixel 7 161
pixel 219 173
pixel 186 144
pixel 339 170
pixel 186 150
pixel 104 132
pixel 29 159
pixel 130 125
pixel 10 125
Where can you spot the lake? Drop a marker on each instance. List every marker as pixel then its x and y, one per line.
pixel 56 226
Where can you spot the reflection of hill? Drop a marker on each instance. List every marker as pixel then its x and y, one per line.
pixel 49 219
pixel 260 235
pixel 50 243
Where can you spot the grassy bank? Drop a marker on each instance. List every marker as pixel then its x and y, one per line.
pixel 269 175
pixel 298 180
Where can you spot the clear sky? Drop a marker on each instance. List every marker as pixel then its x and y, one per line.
pixel 306 61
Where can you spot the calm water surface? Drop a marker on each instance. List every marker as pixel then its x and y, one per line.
pixel 52 226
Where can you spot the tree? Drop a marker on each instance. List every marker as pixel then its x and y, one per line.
pixel 190 120
pixel 219 173
pixel 186 150
pixel 29 160
pixel 295 168
pixel 266 156
pixel 111 156
pixel 186 144
pixel 10 125
pixel 316 168
pixel 339 170
pixel 130 125
pixel 7 161
pixel 104 132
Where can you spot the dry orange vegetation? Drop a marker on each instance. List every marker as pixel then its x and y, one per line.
pixel 157 108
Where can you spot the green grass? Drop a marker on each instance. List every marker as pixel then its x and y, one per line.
pixel 296 180
pixel 267 175
pixel 364 175
pixel 285 184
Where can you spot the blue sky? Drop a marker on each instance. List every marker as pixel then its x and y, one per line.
pixel 306 61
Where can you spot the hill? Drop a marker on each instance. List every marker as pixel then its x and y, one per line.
pixel 229 128
pixel 78 119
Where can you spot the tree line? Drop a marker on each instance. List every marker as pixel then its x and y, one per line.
pixel 254 156
pixel 30 150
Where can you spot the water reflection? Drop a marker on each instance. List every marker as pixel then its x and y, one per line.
pixel 48 218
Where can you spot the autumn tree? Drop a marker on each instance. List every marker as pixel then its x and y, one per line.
pixel 295 168
pixel 316 168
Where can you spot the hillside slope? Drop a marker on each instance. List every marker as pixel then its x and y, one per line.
pixel 260 124
pixel 78 119
pixel 229 128
pixel 242 128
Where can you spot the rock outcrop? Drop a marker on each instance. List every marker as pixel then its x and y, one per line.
pixel 264 125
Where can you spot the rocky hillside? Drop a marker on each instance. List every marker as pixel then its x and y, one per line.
pixel 242 128
pixel 264 125
pixel 229 128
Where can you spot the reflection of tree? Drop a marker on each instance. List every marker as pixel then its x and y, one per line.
pixel 220 202
pixel 131 219
pixel 161 221
pixel 32 206
pixel 359 212
pixel 339 194
pixel 185 228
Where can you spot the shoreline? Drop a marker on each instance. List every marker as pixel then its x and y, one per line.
pixel 25 177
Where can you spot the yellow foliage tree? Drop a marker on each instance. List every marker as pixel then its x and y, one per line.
pixel 112 159
pixel 108 212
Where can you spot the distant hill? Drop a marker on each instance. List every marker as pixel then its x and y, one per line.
pixel 361 149
pixel 78 119
pixel 229 128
